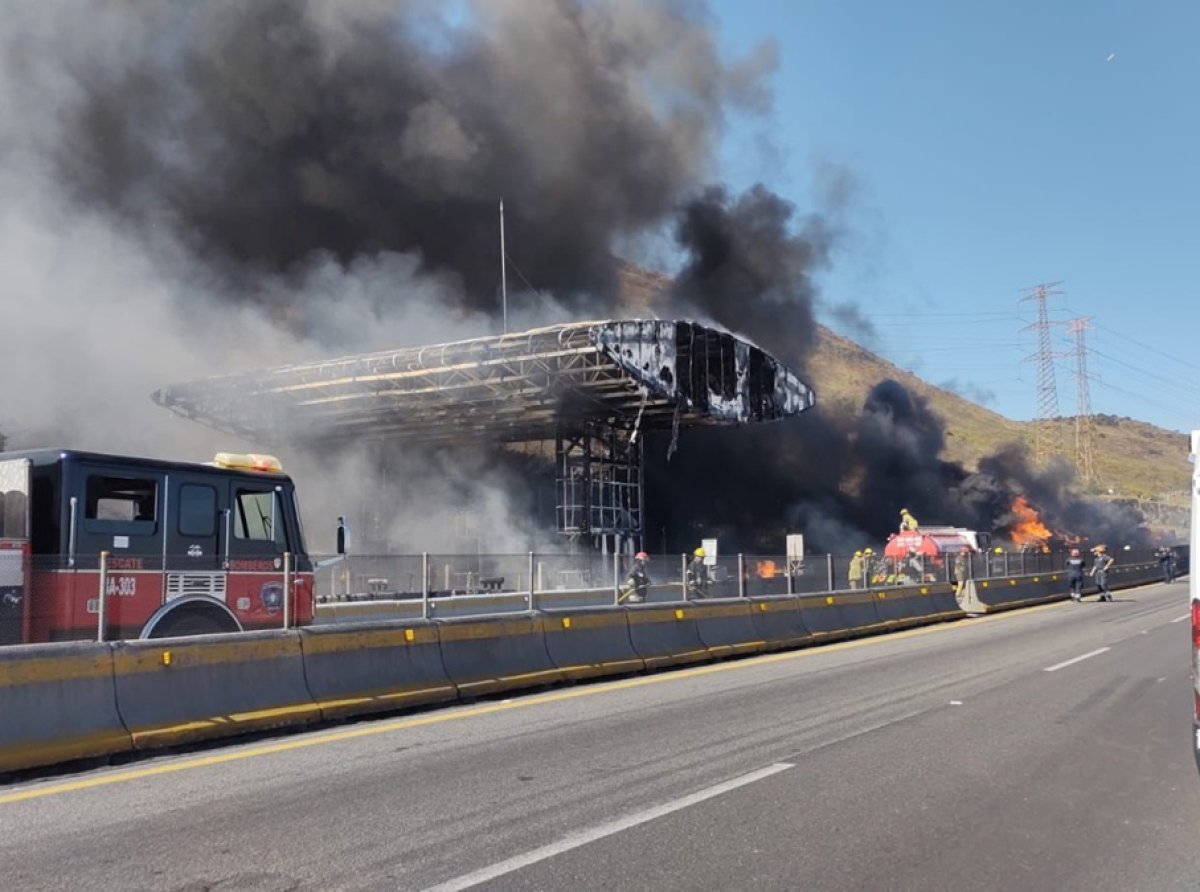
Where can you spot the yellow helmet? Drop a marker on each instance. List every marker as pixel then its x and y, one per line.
pixel 903 510
pixel 868 551
pixel 699 552
pixel 999 550
pixel 858 554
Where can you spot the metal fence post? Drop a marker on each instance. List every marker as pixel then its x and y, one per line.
pixel 101 601
pixel 616 579
pixel 829 571
pixel 424 585
pixel 683 562
pixel 791 582
pixel 531 562
pixel 741 575
pixel 287 588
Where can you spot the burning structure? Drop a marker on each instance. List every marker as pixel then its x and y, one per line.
pixel 591 387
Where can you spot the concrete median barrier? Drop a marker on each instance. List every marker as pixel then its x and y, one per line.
pixel 177 690
pixel 488 655
pixel 1024 591
pixel 726 629
pixel 370 668
pixel 58 703
pixel 915 605
pixel 366 611
pixel 829 617
pixel 666 636
pixel 778 623
pixel 591 643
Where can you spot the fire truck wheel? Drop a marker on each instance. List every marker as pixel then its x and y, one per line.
pixel 192 622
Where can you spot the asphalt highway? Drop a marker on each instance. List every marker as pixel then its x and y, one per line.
pixel 1044 749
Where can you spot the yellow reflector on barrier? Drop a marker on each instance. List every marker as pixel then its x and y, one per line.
pixel 828 600
pixel 166 658
pixel 566 622
pixel 1012 582
pixel 881 595
pixel 409 634
pixel 924 591
pixel 985 585
pixel 679 614
pixel 762 608
pixel 1037 579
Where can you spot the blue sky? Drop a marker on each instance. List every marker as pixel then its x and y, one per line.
pixel 993 147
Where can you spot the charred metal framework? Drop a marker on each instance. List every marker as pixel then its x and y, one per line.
pixel 591 387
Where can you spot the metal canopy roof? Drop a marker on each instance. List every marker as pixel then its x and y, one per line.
pixel 515 387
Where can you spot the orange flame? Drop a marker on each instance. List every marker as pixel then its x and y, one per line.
pixel 1029 529
pixel 765 569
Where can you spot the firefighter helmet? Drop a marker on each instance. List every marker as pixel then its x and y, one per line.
pixel 858 554
pixel 868 551
pixel 699 552
pixel 640 556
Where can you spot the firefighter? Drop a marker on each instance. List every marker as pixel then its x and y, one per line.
pixel 872 568
pixel 697 575
pixel 857 570
pixel 908 523
pixel 1075 564
pixel 1102 564
pixel 637 583
pixel 962 568
pixel 1166 560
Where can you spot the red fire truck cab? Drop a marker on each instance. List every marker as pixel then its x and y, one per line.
pixel 190 548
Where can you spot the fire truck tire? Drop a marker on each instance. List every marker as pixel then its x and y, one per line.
pixel 193 618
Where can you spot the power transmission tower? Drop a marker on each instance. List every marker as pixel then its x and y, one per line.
pixel 1084 428
pixel 1048 439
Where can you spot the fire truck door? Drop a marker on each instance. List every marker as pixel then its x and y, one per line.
pixel 258 537
pixel 194 549
pixel 12 591
pixel 14 549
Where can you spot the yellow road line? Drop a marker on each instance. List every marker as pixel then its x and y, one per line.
pixel 404 724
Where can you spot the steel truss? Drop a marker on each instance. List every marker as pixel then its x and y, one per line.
pixel 591 387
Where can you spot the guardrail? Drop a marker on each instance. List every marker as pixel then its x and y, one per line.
pixel 64 702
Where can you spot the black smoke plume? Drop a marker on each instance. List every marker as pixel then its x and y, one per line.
pixel 256 148
pixel 274 132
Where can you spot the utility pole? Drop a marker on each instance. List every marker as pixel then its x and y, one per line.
pixel 1084 428
pixel 1048 438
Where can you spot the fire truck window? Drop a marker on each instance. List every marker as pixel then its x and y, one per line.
pixel 197 510
pixel 120 498
pixel 258 518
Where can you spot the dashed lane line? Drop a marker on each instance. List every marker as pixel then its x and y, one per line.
pixel 583 837
pixel 1079 659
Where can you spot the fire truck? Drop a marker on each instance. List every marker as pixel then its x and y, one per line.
pixel 934 542
pixel 182 549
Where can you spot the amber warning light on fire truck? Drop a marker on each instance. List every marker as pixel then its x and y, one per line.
pixel 165 548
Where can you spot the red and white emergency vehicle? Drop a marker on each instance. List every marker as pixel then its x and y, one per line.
pixel 190 548
pixel 934 542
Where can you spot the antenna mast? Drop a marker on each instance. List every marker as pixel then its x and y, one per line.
pixel 503 272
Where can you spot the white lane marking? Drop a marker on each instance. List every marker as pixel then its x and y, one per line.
pixel 583 837
pixel 1180 619
pixel 1072 662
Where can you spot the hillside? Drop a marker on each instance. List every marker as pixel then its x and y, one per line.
pixel 1134 461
